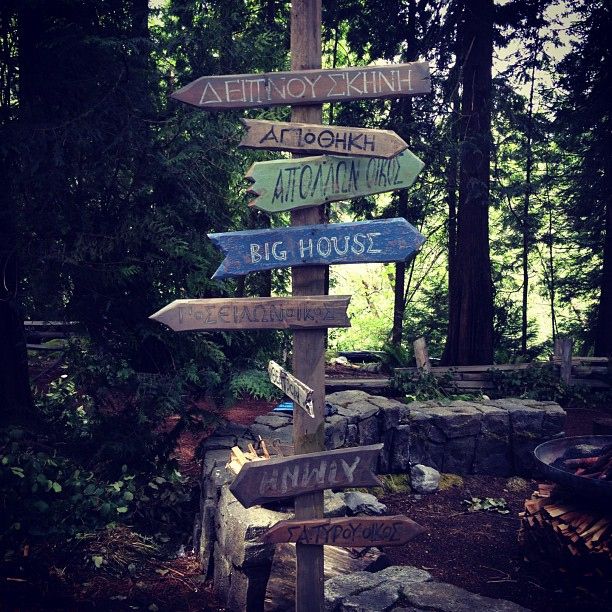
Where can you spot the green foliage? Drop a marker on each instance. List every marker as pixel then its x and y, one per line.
pixel 419 386
pixel 539 382
pixel 253 383
pixel 489 504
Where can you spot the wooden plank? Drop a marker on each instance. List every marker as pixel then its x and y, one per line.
pixel 43 324
pixel 349 532
pixel 313 138
pixel 474 368
pixel 421 355
pixel 383 240
pixel 284 184
pixel 304 87
pixel 339 384
pixel 295 389
pixel 563 351
pixel 255 313
pixel 280 478
pixel 308 346
pixel 470 384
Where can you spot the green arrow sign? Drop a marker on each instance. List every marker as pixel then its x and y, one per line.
pixel 286 184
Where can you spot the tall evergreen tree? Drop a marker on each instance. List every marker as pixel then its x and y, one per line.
pixel 470 330
pixel 585 118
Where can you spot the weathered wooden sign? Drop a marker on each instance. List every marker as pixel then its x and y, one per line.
pixel 358 531
pixel 273 479
pixel 287 184
pixel 312 138
pixel 306 86
pixel 300 393
pixel 383 240
pixel 255 313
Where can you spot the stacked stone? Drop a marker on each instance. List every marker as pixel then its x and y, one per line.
pixel 405 588
pixel 487 437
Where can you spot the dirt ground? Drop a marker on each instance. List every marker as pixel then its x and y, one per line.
pixel 478 551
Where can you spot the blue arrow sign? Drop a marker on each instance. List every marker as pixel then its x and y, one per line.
pixel 384 240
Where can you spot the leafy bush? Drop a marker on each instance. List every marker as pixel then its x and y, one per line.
pixel 421 386
pixel 253 383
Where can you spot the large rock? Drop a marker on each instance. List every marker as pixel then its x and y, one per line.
pixel 363 503
pixel 444 597
pixel 492 454
pixel 424 479
pixel 345 589
pixel 335 432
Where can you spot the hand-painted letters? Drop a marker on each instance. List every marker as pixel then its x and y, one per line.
pixel 306 86
pixel 337 140
pixel 308 181
pixel 384 240
pixel 255 313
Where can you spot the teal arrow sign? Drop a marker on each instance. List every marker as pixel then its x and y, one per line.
pixel 285 184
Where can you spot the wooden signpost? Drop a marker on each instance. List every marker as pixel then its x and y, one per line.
pixel 353 532
pixel 306 86
pixel 383 240
pixel 293 388
pixel 284 184
pixel 364 162
pixel 259 482
pixel 313 138
pixel 255 313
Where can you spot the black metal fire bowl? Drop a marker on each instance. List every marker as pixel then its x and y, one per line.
pixel 578 446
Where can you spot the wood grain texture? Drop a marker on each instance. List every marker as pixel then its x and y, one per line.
pixel 308 345
pixel 361 531
pixel 312 138
pixel 259 482
pixel 303 87
pixel 293 388
pixel 283 184
pixel 383 240
pixel 255 313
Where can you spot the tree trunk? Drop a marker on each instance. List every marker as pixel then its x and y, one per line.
pixel 470 333
pixel 603 337
pixel 15 392
pixel 406 118
pixel 526 220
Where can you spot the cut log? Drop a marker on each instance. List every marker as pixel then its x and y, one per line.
pixel 568 537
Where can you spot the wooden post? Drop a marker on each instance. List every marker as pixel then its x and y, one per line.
pixel 563 352
pixel 421 354
pixel 308 345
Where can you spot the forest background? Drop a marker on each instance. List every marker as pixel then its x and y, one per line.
pixel 109 189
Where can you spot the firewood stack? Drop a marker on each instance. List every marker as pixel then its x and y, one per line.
pixel 257 452
pixel 568 536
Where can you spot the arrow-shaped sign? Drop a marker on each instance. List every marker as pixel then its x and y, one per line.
pixel 293 388
pixel 255 313
pixel 273 479
pixel 312 138
pixel 286 184
pixel 306 86
pixel 383 240
pixel 353 532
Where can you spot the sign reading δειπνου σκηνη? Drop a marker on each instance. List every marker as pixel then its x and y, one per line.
pixel 306 86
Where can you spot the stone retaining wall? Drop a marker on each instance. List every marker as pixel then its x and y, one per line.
pixel 489 437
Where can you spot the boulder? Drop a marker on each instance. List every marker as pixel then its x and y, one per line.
pixel 424 479
pixel 363 503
